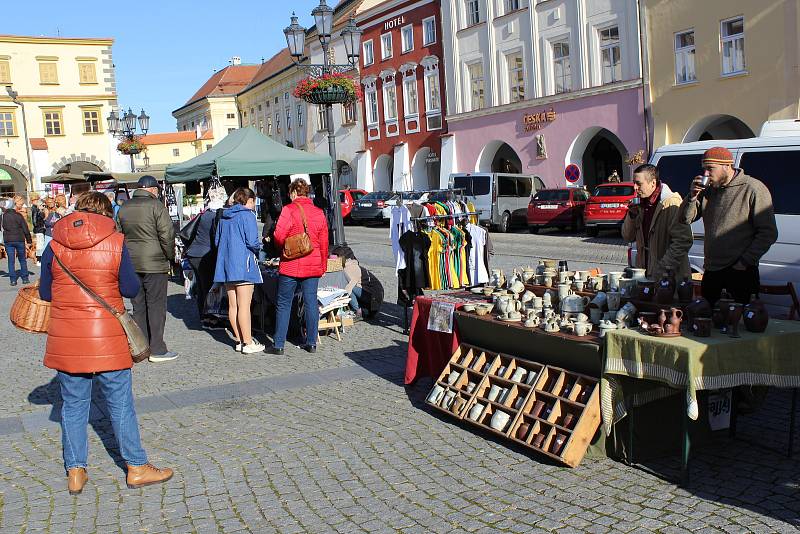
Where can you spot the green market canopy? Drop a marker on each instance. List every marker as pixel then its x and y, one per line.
pixel 248 152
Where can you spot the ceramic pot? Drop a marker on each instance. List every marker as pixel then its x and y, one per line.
pixel 476 411
pixel 665 290
pixel 699 307
pixel 605 326
pixel 558 443
pixel 499 420
pixel 755 316
pixel 563 277
pixel 519 375
pixel 646 290
pixel 458 405
pixel 563 291
pixel 568 421
pixel 494 391
pixel 627 287
pixel 627 312
pixel 503 303
pixel 574 303
pixel 550 264
pixel 701 326
pixel 517 287
pixel 448 399
pixel 538 440
pixel 717 319
pixel 599 301
pixel 522 431
pixel 685 290
pixel 613 280
pixel 537 408
pixel 583 276
pixel 735 312
pixel 638 274
pixel 452 377
pixel 613 300
pixel 673 326
pixel 527 297
pixel 527 274
pixel 436 394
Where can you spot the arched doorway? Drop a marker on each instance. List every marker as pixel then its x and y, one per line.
pixel 598 152
pixel 12 180
pixel 421 171
pixel 718 127
pixel 384 169
pixel 346 175
pixel 498 156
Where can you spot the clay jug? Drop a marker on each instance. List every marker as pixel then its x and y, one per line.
pixel 665 290
pixel 685 290
pixel 756 316
pixel 662 318
pixel 674 325
pixel 699 307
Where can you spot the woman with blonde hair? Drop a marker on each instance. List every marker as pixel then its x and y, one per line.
pixel 87 245
pixel 298 217
pixel 238 245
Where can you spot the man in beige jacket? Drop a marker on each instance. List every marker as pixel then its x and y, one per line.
pixel 654 221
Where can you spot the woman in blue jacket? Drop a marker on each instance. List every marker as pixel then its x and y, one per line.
pixel 238 244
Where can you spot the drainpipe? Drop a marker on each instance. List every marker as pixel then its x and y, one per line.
pixel 644 66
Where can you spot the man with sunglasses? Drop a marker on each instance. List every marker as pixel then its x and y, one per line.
pixel 739 222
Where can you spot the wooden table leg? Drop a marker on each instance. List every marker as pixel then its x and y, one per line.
pixel 686 443
pixel 792 417
pixel 630 409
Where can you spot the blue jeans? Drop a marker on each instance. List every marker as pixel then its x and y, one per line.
pixel 17 250
pixel 354 296
pixel 286 288
pixel 76 393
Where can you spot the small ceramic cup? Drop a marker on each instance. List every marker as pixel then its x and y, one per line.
pixel 452 377
pixel 436 394
pixel 494 391
pixel 499 420
pixel 476 411
pixel 448 399
pixel 519 374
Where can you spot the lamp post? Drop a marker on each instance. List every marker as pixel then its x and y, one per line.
pixel 295 39
pixel 14 98
pixel 123 126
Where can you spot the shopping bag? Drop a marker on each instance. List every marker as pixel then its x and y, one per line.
pixel 214 301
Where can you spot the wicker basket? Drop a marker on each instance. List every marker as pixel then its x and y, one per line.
pixel 334 265
pixel 29 312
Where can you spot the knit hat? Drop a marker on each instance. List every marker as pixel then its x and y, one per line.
pixel 718 155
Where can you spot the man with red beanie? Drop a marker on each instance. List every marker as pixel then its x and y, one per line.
pixel 739 222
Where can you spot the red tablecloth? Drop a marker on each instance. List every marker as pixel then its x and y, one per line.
pixel 428 352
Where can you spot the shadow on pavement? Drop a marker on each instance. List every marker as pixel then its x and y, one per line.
pixel 99 420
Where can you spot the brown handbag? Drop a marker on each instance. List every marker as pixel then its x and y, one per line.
pixel 298 245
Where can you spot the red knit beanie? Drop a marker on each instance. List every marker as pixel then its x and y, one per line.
pixel 718 155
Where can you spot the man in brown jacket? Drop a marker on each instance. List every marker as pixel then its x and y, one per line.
pixel 739 222
pixel 654 221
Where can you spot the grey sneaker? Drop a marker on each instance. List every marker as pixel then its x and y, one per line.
pixel 167 356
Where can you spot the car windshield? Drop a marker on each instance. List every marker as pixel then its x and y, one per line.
pixel 552 194
pixel 613 191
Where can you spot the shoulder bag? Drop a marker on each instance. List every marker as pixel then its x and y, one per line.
pixel 189 232
pixel 298 245
pixel 138 343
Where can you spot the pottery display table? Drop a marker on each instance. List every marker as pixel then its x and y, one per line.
pixel 693 364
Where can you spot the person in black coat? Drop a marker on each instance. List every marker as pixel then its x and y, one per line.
pixel 16 235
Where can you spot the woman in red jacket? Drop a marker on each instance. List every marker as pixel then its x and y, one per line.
pixel 85 343
pixel 305 271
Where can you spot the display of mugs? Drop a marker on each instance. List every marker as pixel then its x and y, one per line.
pixel 436 394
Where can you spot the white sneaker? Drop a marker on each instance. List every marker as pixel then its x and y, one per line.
pixel 238 347
pixel 252 348
pixel 167 356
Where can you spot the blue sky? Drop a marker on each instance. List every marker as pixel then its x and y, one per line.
pixel 165 50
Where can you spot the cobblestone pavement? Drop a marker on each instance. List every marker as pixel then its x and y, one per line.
pixel 333 442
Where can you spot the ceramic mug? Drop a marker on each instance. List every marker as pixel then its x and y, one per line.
pixel 452 377
pixel 613 280
pixel 531 377
pixel 564 291
pixel 518 402
pixel 538 302
pixel 499 420
pixel 599 300
pixel 458 405
pixel 436 394
pixel 613 300
pixel 448 399
pixel 470 387
pixel 494 391
pixel 578 285
pixel 582 328
pixel 519 374
pixel 476 411
pixel 501 371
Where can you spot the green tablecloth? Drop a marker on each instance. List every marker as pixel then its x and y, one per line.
pixel 694 363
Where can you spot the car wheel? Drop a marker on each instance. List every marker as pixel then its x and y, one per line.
pixel 592 231
pixel 505 222
pixel 533 229
pixel 577 226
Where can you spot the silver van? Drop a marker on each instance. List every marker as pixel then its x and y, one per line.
pixel 774 159
pixel 501 198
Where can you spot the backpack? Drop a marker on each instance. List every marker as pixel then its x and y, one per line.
pixel 372 298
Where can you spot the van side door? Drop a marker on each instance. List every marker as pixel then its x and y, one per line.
pixel 524 192
pixel 506 196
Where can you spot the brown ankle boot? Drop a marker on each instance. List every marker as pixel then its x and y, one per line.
pixel 76 480
pixel 146 475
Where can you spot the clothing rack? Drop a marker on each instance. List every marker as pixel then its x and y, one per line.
pixel 451 216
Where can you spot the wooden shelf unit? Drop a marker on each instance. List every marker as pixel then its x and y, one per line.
pixel 561 408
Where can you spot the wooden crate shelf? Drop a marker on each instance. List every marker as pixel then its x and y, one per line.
pixel 551 410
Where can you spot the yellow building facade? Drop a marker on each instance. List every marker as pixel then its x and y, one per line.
pixel 172 147
pixel 67 88
pixel 720 68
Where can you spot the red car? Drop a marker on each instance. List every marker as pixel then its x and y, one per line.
pixel 607 206
pixel 348 199
pixel 557 207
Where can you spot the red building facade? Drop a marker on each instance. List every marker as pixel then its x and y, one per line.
pixel 403 105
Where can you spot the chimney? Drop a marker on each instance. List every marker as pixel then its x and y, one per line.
pixel 236 60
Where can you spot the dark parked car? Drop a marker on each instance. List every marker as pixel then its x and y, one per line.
pixel 557 207
pixel 369 208
pixel 348 199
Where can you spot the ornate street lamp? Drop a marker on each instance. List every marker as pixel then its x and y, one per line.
pixel 295 41
pixel 123 127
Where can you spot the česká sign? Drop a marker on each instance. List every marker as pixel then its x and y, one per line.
pixel 536 121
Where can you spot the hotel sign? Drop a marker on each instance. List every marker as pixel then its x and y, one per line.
pixel 536 121
pixel 394 23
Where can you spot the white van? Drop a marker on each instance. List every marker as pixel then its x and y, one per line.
pixel 501 198
pixel 773 158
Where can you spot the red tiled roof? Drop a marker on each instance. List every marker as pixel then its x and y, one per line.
pixel 269 68
pixel 38 143
pixel 228 81
pixel 208 134
pixel 168 137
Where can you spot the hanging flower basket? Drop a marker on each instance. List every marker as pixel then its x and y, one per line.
pixel 328 89
pixel 130 146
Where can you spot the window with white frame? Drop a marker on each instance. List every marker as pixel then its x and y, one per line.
pixel 562 69
pixel 732 40
pixel 473 8
pixel 512 5
pixel 371 105
pixel 516 77
pixel 684 57
pixel 322 124
pixel 433 98
pixel 610 57
pixel 389 100
pixel 369 53
pixel 410 100
pixel 429 31
pixel 299 115
pixel 407 38
pixel 386 46
pixel 349 113
pixel 277 122
pixel 476 85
